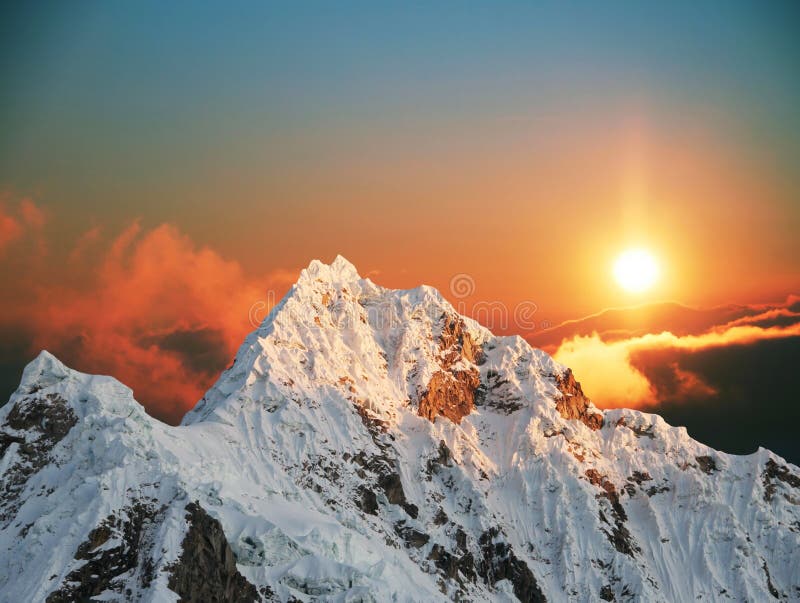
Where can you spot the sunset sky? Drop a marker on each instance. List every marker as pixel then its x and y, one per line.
pixel 164 166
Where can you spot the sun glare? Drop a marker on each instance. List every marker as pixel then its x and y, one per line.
pixel 636 270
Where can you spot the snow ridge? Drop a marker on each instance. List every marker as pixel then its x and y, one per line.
pixel 310 463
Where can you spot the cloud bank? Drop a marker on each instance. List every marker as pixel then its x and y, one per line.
pixel 149 307
pixel 726 373
pixel 616 374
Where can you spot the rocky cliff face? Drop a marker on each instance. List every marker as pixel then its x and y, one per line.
pixel 371 445
pixel 450 392
pixel 573 404
pixel 206 568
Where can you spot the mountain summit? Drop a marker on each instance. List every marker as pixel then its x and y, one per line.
pixel 370 444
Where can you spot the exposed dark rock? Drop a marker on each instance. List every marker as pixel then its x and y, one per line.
pixel 498 393
pixel 36 425
pixel 500 563
pixel 317 469
pixel 444 454
pixel 607 593
pixel 641 431
pixel 639 477
pixel 707 464
pixel 445 561
pixel 573 403
pixel 451 566
pixel 466 565
pixel 372 423
pixel 392 486
pixel 206 569
pixel 413 538
pixel 461 539
pixel 440 518
pixel 411 509
pixel 6 439
pixel 770 586
pixel 626 592
pixel 653 490
pixel 113 568
pixel 619 536
pixel 367 501
pixel 383 466
pixel 442 459
pixel 609 491
pixel 774 471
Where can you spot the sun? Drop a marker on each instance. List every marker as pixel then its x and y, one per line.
pixel 636 270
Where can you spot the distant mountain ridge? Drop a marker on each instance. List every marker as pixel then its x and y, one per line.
pixel 370 444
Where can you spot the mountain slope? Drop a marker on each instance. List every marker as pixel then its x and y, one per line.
pixel 370 445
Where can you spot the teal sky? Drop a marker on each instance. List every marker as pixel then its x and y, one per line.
pixel 309 125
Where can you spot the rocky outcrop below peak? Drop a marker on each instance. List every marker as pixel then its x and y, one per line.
pixel 451 391
pixel 612 514
pixel 31 430
pixel 573 403
pixel 457 343
pixel 206 569
pixel 115 554
pixel 775 473
pixel 450 394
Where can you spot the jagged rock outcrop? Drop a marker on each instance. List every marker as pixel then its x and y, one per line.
pixel 450 394
pixel 451 391
pixel 618 535
pixel 32 428
pixel 499 562
pixel 775 473
pixel 206 569
pixel 115 553
pixel 573 403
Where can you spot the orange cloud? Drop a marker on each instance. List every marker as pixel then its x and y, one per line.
pixel 634 321
pixel 85 242
pixel 772 317
pixel 150 307
pixel 10 229
pixel 610 373
pixel 31 214
pixel 25 217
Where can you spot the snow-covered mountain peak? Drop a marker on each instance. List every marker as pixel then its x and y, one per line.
pixel 47 382
pixel 370 444
pixel 340 271
pixel 42 371
pixel 381 349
